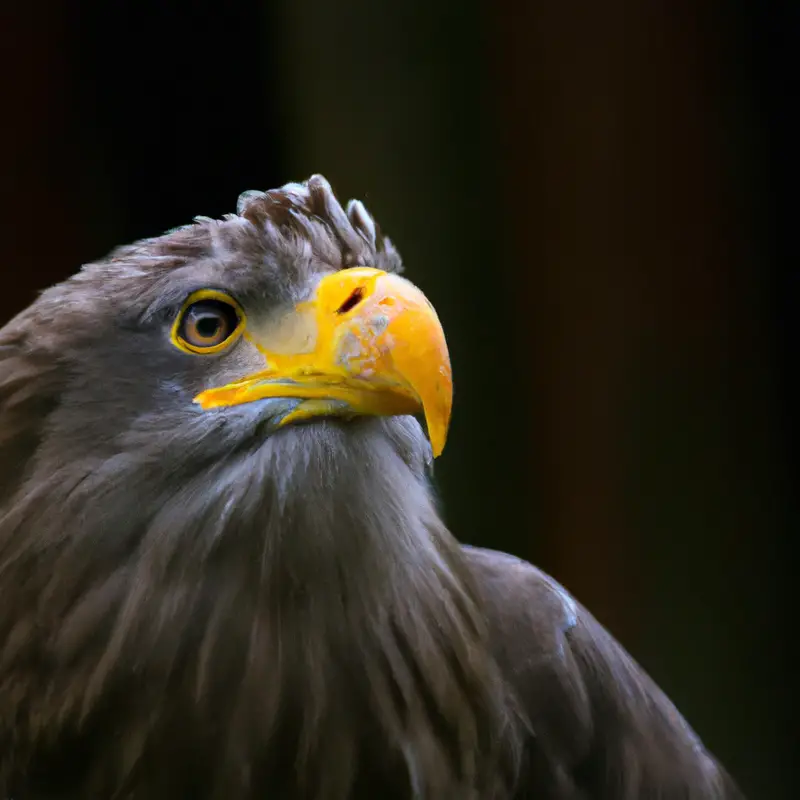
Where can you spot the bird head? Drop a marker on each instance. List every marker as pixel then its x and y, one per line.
pixel 290 311
pixel 214 509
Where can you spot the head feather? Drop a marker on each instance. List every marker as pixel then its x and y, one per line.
pixel 187 603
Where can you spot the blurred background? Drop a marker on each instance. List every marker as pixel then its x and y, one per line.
pixel 598 198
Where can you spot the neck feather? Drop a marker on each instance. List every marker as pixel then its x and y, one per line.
pixel 301 599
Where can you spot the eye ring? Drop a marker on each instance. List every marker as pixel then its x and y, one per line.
pixel 193 330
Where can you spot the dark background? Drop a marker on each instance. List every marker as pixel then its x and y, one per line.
pixel 599 198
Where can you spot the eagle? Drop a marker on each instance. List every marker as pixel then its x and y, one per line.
pixel 223 569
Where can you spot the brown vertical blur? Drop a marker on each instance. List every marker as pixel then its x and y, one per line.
pixel 648 348
pixel 38 215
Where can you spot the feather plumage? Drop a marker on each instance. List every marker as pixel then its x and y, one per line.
pixel 194 606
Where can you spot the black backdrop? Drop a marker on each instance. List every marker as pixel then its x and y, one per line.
pixel 600 203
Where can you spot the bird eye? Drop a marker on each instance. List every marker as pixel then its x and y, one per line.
pixel 209 322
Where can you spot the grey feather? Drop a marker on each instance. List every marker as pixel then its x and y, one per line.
pixel 197 605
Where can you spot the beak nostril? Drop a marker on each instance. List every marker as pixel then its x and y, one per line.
pixel 356 296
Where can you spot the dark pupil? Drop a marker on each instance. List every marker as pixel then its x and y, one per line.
pixel 208 326
pixel 208 323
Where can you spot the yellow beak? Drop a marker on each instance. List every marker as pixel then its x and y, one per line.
pixel 366 342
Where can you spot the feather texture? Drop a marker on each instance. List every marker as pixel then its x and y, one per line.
pixel 194 607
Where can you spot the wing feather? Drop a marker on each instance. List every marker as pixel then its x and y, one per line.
pixel 600 727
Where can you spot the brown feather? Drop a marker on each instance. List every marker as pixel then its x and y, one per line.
pixel 601 728
pixel 195 606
